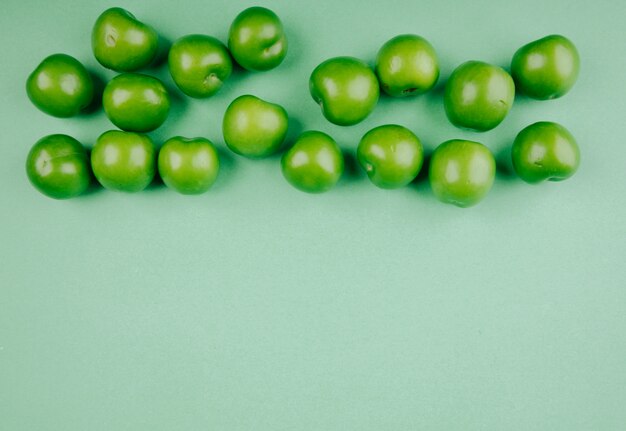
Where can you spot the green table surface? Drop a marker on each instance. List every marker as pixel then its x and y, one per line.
pixel 258 307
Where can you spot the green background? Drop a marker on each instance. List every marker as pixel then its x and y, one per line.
pixel 257 307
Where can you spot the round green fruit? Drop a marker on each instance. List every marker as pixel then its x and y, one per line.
pixel 461 172
pixel 407 65
pixel 545 151
pixel 189 166
pixel 58 166
pixel 314 163
pixel 60 86
pixel 257 39
pixel 478 96
pixel 121 42
pixel 123 161
pixel 391 155
pixel 199 65
pixel 546 68
pixel 346 89
pixel 253 127
pixel 135 102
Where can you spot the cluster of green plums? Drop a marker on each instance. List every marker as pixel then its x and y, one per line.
pixel 477 96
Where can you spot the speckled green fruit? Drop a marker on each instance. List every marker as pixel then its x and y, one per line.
pixel 478 96
pixel 135 102
pixel 346 89
pixel 189 166
pixel 58 166
pixel 121 42
pixel 545 151
pixel 391 155
pixel 461 172
pixel 257 39
pixel 253 127
pixel 199 65
pixel 546 68
pixel 314 164
pixel 123 161
pixel 407 65
pixel 60 86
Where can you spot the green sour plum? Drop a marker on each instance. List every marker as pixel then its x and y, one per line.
pixel 545 151
pixel 121 42
pixel 60 86
pixel 314 164
pixel 199 65
pixel 461 172
pixel 407 65
pixel 478 96
pixel 257 39
pixel 253 127
pixel 391 155
pixel 189 166
pixel 546 68
pixel 346 89
pixel 123 161
pixel 58 166
pixel 135 102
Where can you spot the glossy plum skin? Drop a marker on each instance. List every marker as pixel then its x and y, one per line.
pixel 136 102
pixel 545 151
pixel 461 172
pixel 407 65
pixel 346 89
pixel 546 68
pixel 58 167
pixel 314 164
pixel 253 127
pixel 189 166
pixel 60 86
pixel 391 155
pixel 199 65
pixel 124 161
pixel 257 39
pixel 121 42
pixel 478 96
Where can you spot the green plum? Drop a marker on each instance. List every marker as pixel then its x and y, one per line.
pixel 257 39
pixel 189 166
pixel 478 96
pixel 407 65
pixel 135 102
pixel 123 161
pixel 58 166
pixel 346 89
pixel 121 42
pixel 60 86
pixel 199 65
pixel 314 163
pixel 253 127
pixel 545 151
pixel 546 68
pixel 461 172
pixel 391 155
